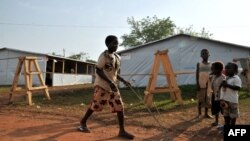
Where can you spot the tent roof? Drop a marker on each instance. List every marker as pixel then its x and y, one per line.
pixel 43 54
pixel 18 50
pixel 179 35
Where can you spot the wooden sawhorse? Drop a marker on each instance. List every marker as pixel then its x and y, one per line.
pixel 172 88
pixel 30 68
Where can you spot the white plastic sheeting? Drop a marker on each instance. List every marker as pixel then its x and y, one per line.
pixel 60 79
pixel 184 53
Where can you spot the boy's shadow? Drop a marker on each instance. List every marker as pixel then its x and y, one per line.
pixel 57 129
pixel 177 129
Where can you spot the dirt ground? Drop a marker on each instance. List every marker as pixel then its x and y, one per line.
pixel 24 125
pixel 179 125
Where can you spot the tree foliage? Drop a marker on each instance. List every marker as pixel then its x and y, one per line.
pixel 91 61
pixel 190 31
pixel 80 56
pixel 147 30
pixel 152 29
pixel 55 54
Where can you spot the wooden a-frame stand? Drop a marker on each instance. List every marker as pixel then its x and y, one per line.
pixel 172 88
pixel 30 68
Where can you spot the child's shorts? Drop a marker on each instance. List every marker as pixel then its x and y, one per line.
pixel 215 108
pixel 232 111
pixel 102 97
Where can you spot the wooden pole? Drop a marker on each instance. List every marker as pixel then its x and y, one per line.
pixel 16 78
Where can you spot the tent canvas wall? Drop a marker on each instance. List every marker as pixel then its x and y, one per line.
pixel 65 71
pixel 8 64
pixel 184 53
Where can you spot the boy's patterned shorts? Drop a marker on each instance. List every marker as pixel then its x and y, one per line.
pixel 232 111
pixel 102 97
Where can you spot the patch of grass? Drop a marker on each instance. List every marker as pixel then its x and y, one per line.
pixel 4 89
pixel 244 99
pixel 65 98
pixel 161 101
pixel 76 100
pixel 132 99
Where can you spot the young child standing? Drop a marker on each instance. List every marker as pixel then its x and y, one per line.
pixel 106 90
pixel 229 94
pixel 216 81
pixel 202 77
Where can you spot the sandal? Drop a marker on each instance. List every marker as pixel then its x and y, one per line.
pixel 198 116
pixel 208 116
pixel 214 124
pixel 221 128
pixel 126 135
pixel 83 129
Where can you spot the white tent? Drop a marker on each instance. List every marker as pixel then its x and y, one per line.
pixel 57 71
pixel 184 52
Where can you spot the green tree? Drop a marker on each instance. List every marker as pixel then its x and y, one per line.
pixel 80 56
pixel 190 31
pixel 147 30
pixel 91 61
pixel 152 29
pixel 53 53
